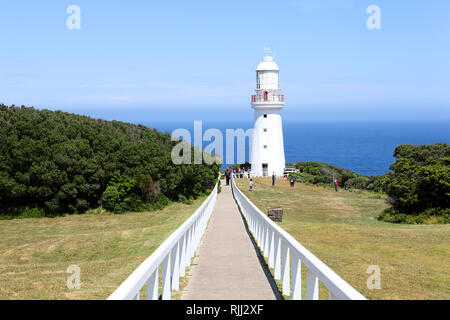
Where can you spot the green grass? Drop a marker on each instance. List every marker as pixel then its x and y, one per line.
pixel 341 229
pixel 35 252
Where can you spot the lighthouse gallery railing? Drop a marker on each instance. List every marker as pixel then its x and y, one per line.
pixel 286 255
pixel 267 98
pixel 173 255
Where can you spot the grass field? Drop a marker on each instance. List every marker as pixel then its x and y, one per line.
pixel 341 229
pixel 35 253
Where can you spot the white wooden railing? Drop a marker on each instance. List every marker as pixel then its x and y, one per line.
pixel 286 255
pixel 173 255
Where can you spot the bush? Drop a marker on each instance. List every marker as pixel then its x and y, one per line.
pixel 32 213
pixel 357 183
pixel 111 199
pixel 430 216
pixel 378 183
pixel 299 177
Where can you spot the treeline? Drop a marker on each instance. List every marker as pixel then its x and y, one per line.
pixel 53 163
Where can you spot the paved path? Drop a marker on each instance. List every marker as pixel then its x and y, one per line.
pixel 227 266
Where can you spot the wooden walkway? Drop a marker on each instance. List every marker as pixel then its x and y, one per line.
pixel 227 265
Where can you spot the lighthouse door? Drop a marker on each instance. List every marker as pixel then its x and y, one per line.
pixel 265 169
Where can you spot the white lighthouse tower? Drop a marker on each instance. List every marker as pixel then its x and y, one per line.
pixel 267 150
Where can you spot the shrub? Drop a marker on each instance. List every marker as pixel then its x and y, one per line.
pixel 430 216
pixel 357 183
pixel 111 199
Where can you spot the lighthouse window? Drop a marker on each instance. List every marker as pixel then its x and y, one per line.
pixel 265 146
pixel 265 116
pixel 265 129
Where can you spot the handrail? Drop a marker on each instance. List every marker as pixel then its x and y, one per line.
pixel 268 98
pixel 174 255
pixel 285 254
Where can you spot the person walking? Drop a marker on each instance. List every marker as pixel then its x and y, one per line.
pixel 273 179
pixel 292 181
pixel 336 183
pixel 251 185
pixel 227 176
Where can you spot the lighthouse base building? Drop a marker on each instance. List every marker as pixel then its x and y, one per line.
pixel 267 149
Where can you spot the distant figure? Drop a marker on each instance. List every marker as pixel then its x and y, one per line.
pixel 251 185
pixel 292 181
pixel 336 183
pixel 227 176
pixel 273 179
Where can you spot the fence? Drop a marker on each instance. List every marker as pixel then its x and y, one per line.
pixel 287 256
pixel 173 255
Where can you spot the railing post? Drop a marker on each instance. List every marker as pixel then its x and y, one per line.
pixel 187 257
pixel 166 288
pixel 183 256
pixel 257 232
pixel 271 249
pixel 196 235
pixel 252 217
pixel 277 272
pixel 199 229
pixel 296 277
pixel 263 237
pixel 175 259
pixel 153 286
pixel 286 270
pixel 191 243
pixel 312 286
pixel 266 241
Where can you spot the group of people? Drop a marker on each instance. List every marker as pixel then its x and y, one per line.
pixel 236 173
pixel 240 173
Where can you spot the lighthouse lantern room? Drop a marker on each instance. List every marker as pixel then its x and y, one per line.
pixel 267 150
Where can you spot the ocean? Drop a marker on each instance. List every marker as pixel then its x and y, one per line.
pixel 364 147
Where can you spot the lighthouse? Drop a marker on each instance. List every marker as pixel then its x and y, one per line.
pixel 267 148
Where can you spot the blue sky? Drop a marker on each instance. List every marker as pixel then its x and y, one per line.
pixel 185 60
